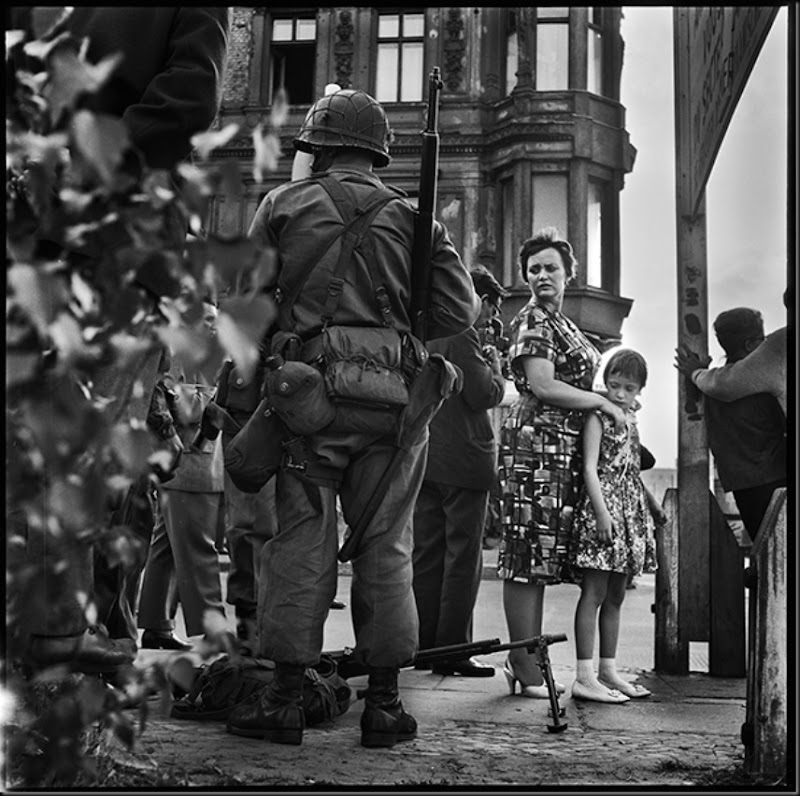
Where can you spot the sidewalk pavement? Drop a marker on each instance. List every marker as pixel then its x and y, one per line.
pixel 472 733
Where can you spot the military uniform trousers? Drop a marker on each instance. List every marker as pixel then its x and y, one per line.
pixel 300 562
pixel 183 562
pixel 250 521
pixel 448 561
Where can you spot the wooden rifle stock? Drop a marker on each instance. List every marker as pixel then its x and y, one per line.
pixel 423 223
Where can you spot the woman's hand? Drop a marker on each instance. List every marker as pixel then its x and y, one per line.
pixel 615 413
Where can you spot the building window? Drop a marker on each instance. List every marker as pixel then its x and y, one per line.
pixel 594 235
pixel 594 78
pixel 293 56
pixel 552 48
pixel 512 53
pixel 401 39
pixel 550 202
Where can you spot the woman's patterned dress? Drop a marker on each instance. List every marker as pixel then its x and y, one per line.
pixel 537 467
pixel 633 547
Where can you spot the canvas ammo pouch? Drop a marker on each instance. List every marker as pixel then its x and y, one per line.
pixel 363 374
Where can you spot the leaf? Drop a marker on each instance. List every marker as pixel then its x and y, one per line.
pixel 132 447
pixel 182 672
pixel 20 368
pixel 188 347
pixel 206 143
pixel 280 109
pixel 45 18
pixel 72 77
pixel 13 38
pixel 40 294
pixel 267 149
pixel 239 259
pixel 241 326
pixel 102 140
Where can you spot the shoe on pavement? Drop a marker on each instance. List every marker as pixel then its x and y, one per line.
pixel 632 690
pixel 386 725
pixel 597 693
pixel 262 716
pixel 158 640
pixel 91 652
pixel 469 667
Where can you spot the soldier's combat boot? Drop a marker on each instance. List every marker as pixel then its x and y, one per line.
pixel 384 722
pixel 275 712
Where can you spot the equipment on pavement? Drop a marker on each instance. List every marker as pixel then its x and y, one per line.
pixel 537 645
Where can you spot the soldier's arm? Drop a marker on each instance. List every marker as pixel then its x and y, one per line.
pixel 454 305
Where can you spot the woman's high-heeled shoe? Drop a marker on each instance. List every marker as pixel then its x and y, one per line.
pixel 532 691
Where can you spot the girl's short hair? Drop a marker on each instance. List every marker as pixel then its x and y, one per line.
pixel 628 363
pixel 547 238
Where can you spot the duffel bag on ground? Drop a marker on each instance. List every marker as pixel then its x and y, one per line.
pixel 227 682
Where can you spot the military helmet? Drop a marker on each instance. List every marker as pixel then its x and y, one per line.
pixel 346 118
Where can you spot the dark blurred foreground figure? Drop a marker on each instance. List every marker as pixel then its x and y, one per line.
pixel 166 89
pixel 747 435
pixel 350 316
pixel 450 513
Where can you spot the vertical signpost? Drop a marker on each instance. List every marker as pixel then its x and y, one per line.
pixel 714 51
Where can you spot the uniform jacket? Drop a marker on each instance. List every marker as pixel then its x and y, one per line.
pixel 296 217
pixel 462 449
pixel 169 84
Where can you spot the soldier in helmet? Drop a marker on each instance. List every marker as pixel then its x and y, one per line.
pixel 343 242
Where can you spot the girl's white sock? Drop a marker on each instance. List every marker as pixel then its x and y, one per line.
pixel 585 670
pixel 608 670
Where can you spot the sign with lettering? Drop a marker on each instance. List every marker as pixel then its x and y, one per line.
pixel 715 48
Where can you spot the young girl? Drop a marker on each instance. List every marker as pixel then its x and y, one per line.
pixel 614 531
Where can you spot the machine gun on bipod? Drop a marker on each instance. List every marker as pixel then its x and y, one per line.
pixel 538 646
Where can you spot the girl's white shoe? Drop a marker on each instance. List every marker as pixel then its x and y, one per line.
pixel 597 692
pixel 631 690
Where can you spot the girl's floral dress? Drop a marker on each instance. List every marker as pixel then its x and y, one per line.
pixel 633 546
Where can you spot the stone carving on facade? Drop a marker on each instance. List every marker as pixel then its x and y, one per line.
pixel 343 49
pixel 454 49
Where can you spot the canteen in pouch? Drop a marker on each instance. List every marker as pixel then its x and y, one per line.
pixel 297 393
pixel 254 454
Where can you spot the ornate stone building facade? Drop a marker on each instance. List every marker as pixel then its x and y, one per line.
pixel 531 128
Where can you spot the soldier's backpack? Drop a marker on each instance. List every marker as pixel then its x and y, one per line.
pixel 227 682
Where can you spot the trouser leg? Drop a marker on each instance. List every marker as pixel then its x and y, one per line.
pixel 429 552
pixel 465 510
pixel 62 612
pixel 116 587
pixel 159 576
pixel 300 573
pixel 250 522
pixel 191 520
pixel 383 607
pixel 753 504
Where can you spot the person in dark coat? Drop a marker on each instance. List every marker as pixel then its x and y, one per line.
pixel 748 435
pixel 166 88
pixel 451 508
